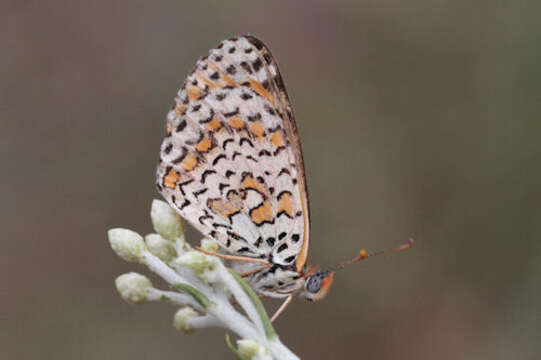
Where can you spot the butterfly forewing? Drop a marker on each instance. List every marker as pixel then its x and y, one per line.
pixel 231 162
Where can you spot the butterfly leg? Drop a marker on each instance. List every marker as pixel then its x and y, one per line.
pixel 235 258
pixel 282 307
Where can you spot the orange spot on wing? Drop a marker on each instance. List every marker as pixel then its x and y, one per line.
pixel 206 81
pixel 262 213
pixel 181 109
pixel 258 88
pixel 204 145
pixel 225 208
pixel 277 138
pixel 194 92
pixel 236 123
pixel 250 183
pixel 214 125
pixel 285 203
pixel 228 80
pixel 171 178
pixel 169 128
pixel 189 162
pixel 257 129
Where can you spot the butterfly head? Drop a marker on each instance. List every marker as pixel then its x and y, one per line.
pixel 317 284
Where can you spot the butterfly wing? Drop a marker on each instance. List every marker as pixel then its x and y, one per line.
pixel 231 162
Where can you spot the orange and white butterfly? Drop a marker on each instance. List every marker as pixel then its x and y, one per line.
pixel 231 164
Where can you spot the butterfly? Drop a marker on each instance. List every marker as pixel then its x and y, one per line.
pixel 231 164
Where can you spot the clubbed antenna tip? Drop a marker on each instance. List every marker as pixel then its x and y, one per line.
pixel 363 254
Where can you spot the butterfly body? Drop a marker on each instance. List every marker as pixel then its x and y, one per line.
pixel 231 164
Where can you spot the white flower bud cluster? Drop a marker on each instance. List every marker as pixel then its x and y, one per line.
pixel 201 286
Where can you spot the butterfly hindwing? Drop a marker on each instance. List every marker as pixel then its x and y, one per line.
pixel 231 162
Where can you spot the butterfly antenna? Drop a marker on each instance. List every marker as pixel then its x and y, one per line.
pixel 363 254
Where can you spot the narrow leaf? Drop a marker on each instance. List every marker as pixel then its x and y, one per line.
pixel 193 292
pixel 234 349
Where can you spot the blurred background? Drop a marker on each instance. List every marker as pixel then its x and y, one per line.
pixel 418 119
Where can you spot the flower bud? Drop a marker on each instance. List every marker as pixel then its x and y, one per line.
pixel 166 221
pixel 201 264
pixel 160 247
pixel 127 244
pixel 133 287
pixel 209 245
pixel 252 350
pixel 181 320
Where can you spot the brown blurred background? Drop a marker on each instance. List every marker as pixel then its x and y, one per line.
pixel 418 118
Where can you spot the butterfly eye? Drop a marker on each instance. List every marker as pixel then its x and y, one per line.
pixel 315 281
pixel 313 284
pixel 317 285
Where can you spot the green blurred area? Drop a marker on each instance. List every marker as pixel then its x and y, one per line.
pixel 418 119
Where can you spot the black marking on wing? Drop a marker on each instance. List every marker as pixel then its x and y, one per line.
pixel 270 241
pixel 279 150
pixel 255 117
pixel 209 118
pixel 202 218
pixel 246 67
pixel 183 184
pixel 184 204
pixel 231 70
pixel 218 158
pixel 230 216
pixel 255 41
pixel 289 259
pixel 168 148
pixel 245 140
pixel 281 248
pixel 232 113
pixel 182 156
pixel 218 225
pixel 207 173
pixel 224 144
pixel 222 186
pixel 199 192
pixel 284 171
